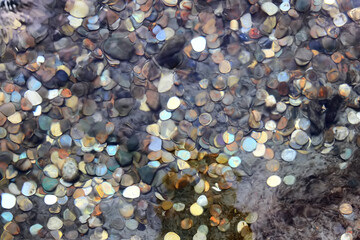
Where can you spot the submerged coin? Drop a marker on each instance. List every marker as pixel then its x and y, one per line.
pixel 273 181
pixel 249 144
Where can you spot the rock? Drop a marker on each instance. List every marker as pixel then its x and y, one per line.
pixel 153 100
pixel 147 174
pixel 70 170
pixel 132 192
pixel 269 8
pixel 246 21
pixel 51 171
pixel 302 5
pixel 303 56
pixel 124 106
pixel 7 109
pixel 119 48
pixel 171 54
pixel 54 223
pixel 124 158
pixel 8 201
pixel 198 44
pixel 155 144
pixel 33 97
pixel 49 184
pixel 354 14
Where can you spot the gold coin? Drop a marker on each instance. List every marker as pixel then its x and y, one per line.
pixel 196 209
pixel 346 209
pixel 273 181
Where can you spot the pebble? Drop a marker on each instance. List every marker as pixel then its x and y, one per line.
pixel 8 200
pixel 29 188
pixel 131 192
pixel 340 133
pixel 33 97
pixel 269 8
pixel 54 223
pixel 198 44
pixel 202 201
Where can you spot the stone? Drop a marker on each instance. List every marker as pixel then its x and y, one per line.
pixel 153 100
pixel 303 56
pixel 33 97
pixel 131 192
pixel 269 8
pixel 124 106
pixel 124 158
pixel 49 184
pixel 354 14
pixel 119 48
pixel 70 171
pixel 8 200
pixel 147 174
pixel 29 188
pixel 54 223
pixel 170 55
pixel 302 5
pixel 246 21
pixel 51 171
pixel 198 44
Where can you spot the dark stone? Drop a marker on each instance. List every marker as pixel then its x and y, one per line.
pixel 124 158
pixel 133 143
pixel 332 108
pixel 119 48
pixel 302 5
pixel 124 106
pixel 171 54
pixel 147 174
pixel 6 157
pixel 314 114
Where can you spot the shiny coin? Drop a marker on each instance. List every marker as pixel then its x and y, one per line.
pixel 171 236
pixel 260 150
pixel 288 155
pixel 234 161
pixel 346 209
pixel 196 209
pixel 270 125
pixel 228 137
pixel 249 144
pixel 173 103
pixel 273 181
pixel 165 115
